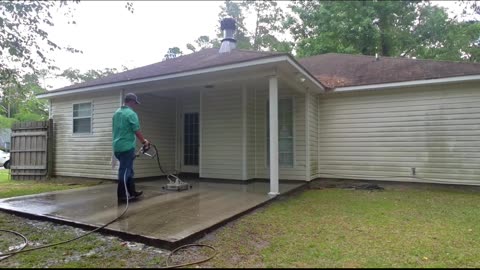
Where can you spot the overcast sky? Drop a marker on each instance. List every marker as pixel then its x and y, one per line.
pixel 111 37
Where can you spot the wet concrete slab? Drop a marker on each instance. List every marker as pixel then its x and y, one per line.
pixel 162 218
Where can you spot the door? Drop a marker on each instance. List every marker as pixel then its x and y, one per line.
pixel 190 143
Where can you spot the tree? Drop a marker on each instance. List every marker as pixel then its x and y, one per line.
pixel 389 28
pixel 172 53
pixel 18 102
pixel 76 76
pixel 202 43
pixel 24 42
pixel 235 10
pixel 24 53
pixel 263 35
pixel 268 23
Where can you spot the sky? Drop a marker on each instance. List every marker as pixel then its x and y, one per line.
pixel 111 37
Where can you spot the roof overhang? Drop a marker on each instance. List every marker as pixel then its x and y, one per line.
pixel 267 61
pixel 408 83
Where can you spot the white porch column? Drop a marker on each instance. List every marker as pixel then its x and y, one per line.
pixel 273 113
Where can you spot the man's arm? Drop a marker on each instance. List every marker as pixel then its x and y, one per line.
pixel 142 139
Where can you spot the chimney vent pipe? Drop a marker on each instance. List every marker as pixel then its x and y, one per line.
pixel 229 43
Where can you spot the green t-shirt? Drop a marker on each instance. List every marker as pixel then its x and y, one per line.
pixel 125 124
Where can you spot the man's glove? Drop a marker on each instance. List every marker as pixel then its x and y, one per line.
pixel 146 145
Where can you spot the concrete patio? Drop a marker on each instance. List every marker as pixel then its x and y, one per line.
pixel 162 218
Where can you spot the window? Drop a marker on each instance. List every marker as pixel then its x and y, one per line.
pixel 191 139
pixel 285 132
pixel 82 118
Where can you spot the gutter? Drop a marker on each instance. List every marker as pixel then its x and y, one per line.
pixel 408 83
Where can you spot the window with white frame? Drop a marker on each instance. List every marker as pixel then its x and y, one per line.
pixel 285 132
pixel 82 118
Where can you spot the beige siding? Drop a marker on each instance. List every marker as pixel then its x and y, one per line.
pixel 221 133
pixel 383 134
pixel 251 125
pixel 90 155
pixel 297 172
pixel 157 123
pixel 84 155
pixel 190 101
pixel 312 118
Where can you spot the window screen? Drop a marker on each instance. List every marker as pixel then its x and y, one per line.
pixel 285 132
pixel 82 118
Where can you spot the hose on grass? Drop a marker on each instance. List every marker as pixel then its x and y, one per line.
pixel 4 256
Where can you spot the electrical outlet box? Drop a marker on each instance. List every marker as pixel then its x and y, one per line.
pixel 413 171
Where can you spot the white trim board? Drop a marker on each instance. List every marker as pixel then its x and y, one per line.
pixel 407 83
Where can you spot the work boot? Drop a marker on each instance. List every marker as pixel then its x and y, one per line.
pixel 131 189
pixel 122 200
pixel 137 194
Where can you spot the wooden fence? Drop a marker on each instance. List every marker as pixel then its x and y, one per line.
pixel 31 150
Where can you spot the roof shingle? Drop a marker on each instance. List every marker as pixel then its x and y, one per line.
pixel 202 59
pixel 341 70
pixel 332 69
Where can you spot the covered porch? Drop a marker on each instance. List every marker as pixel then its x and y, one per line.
pixel 244 122
pixel 162 218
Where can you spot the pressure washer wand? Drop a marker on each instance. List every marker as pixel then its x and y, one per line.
pixel 174 182
pixel 144 151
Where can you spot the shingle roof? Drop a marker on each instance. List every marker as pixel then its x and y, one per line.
pixel 331 69
pixel 341 70
pixel 202 59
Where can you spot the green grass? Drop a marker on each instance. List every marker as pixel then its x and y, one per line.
pixel 11 188
pixel 91 251
pixel 338 228
pixel 352 228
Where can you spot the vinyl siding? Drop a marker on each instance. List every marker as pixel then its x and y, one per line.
pixel 190 101
pixel 381 135
pixel 251 125
pixel 312 118
pixel 89 155
pixel 157 123
pixel 221 137
pixel 84 155
pixel 298 171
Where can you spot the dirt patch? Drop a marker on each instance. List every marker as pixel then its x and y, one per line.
pixel 354 185
pixel 387 185
pixel 110 251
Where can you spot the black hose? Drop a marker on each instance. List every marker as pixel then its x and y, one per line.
pixel 4 256
pixel 22 250
pixel 25 242
pixel 158 159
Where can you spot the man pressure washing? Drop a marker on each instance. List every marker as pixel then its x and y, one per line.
pixel 126 128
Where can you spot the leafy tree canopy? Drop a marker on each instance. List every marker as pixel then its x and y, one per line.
pixel 389 28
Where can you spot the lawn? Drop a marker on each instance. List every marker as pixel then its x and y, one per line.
pixel 10 188
pixel 331 227
pixel 95 250
pixel 353 228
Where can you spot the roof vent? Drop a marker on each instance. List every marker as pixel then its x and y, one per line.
pixel 227 25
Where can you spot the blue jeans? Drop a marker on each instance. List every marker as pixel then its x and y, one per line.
pixel 125 173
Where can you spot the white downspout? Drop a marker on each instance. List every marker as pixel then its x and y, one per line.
pixel 273 113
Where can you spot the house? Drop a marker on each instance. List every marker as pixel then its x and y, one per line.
pixel 334 116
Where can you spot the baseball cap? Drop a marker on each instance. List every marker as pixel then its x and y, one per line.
pixel 131 96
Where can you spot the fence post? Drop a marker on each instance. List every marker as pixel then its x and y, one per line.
pixel 50 149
